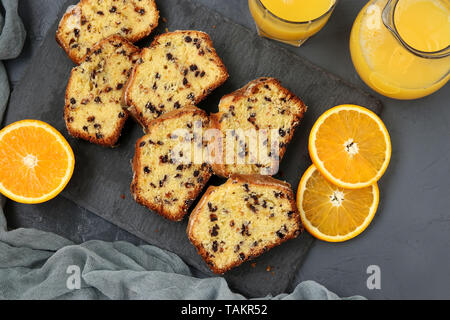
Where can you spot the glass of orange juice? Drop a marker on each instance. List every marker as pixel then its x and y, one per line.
pixel 401 48
pixel 290 21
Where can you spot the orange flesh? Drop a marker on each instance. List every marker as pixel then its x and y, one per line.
pixel 335 220
pixel 339 128
pixel 32 162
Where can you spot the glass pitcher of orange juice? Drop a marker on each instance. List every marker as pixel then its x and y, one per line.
pixel 290 21
pixel 401 48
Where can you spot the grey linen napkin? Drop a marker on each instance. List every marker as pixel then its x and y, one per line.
pixel 12 38
pixel 41 265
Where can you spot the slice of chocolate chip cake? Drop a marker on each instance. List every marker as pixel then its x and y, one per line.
pixel 168 169
pixel 257 123
pixel 178 69
pixel 90 21
pixel 93 109
pixel 242 219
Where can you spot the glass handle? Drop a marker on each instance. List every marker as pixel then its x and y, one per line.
pixel 388 16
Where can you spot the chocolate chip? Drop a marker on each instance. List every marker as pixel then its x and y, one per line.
pixel 290 213
pixel 282 132
pixel 193 67
pixel 191 96
pixel 185 81
pixel 244 230
pixel 246 187
pixel 113 9
pixel 214 231
pixel 161 182
pixel 278 194
pixel 169 56
pixel 121 115
pixel 69 119
pixel 196 173
pixel 160 143
pixel 98 100
pixel 242 256
pixel 147 170
pixel 211 207
pixel 97 126
pixel 215 246
pixel 177 105
pixel 188 39
pixel 164 159
pixel 100 13
pixel 76 32
pixel 73 101
pixel 280 234
pixel 85 128
pixel 98 135
pixel 189 185
pixel 213 217
pixel 202 74
pixel 201 52
pixel 119 86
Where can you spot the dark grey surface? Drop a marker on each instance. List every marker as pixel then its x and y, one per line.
pixel 102 175
pixel 409 238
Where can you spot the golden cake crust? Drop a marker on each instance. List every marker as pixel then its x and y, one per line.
pixel 122 116
pixel 71 47
pixel 251 180
pixel 137 168
pixel 138 111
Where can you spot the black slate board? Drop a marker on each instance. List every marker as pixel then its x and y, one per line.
pixel 102 175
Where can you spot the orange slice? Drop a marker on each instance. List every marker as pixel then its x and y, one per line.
pixel 331 213
pixel 36 162
pixel 350 146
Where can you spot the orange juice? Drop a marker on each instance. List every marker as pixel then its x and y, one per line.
pixel 385 64
pixel 298 10
pixel 290 21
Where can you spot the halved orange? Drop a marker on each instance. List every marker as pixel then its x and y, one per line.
pixel 331 213
pixel 350 146
pixel 36 161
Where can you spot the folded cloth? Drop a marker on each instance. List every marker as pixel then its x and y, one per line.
pixel 12 38
pixel 41 265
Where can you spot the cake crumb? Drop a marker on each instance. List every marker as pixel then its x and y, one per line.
pixel 214 26
pixel 269 268
pixel 253 264
pixel 166 29
pixel 164 20
pixel 122 196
